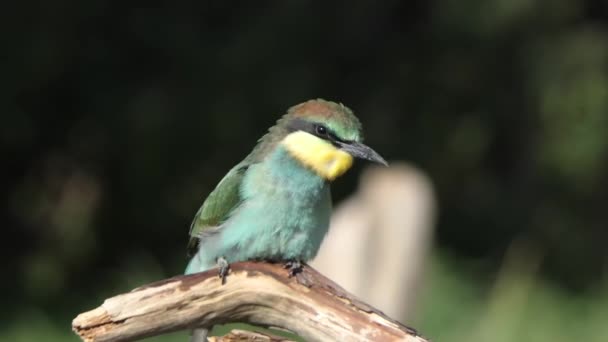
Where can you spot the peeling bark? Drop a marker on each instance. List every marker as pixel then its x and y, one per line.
pixel 259 293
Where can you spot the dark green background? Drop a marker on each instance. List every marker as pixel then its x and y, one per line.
pixel 118 118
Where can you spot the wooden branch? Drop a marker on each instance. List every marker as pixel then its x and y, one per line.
pixel 259 293
pixel 237 335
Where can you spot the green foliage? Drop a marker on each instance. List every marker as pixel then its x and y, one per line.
pixel 456 305
pixel 518 307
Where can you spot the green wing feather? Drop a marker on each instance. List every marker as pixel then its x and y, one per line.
pixel 227 194
pixel 217 207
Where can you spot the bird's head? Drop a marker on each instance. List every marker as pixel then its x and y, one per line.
pixel 325 136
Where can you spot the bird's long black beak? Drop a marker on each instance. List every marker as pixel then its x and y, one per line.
pixel 359 150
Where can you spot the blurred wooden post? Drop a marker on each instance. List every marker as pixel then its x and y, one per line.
pixel 380 238
pixel 310 305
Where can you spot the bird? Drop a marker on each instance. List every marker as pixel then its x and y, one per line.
pixel 275 204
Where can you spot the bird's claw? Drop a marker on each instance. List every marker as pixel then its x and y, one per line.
pixel 224 268
pixel 294 267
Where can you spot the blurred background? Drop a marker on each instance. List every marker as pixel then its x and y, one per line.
pixel 118 119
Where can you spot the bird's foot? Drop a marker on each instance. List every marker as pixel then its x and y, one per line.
pixel 294 267
pixel 224 268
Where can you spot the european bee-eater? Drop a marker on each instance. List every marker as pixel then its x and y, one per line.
pixel 276 204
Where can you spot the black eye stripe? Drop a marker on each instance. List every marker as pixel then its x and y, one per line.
pixel 323 132
pixel 313 128
pixel 334 137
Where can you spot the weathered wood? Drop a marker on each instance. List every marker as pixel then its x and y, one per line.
pixel 259 293
pixel 237 335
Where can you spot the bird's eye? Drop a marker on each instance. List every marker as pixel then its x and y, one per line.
pixel 321 130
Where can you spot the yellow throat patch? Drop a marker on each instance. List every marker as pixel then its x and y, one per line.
pixel 321 156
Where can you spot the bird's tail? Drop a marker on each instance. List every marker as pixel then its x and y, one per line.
pixel 199 335
pixel 195 265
